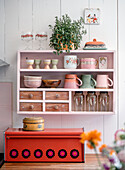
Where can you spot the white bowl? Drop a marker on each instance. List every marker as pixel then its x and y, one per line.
pixel 32 83
pixel 32 77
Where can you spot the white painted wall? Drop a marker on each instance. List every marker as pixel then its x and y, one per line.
pixel 18 16
pixel 121 61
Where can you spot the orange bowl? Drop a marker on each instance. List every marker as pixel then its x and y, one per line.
pixel 51 83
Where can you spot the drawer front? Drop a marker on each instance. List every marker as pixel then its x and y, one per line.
pixel 57 95
pixel 57 107
pixel 31 107
pixel 31 95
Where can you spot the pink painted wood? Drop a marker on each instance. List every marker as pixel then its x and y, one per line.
pixel 5 109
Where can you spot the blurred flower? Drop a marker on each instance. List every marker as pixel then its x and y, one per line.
pixel 120 135
pixel 121 155
pixel 106 167
pixel 102 147
pixel 92 137
pixel 115 155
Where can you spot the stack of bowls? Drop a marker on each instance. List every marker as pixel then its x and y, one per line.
pixel 32 81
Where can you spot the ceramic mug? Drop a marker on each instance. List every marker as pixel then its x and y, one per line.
pixel 71 61
pixel 72 81
pixel 88 63
pixel 103 81
pixel 88 81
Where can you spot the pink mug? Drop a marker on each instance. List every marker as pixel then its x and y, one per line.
pixel 71 81
pixel 103 81
pixel 89 63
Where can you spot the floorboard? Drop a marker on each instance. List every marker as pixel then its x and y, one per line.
pixel 90 163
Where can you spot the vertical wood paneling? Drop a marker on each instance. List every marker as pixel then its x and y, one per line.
pixel 88 122
pixel 121 55
pixel 2 28
pixel 2 17
pixel 25 20
pixel 5 105
pixel 44 12
pixel 110 38
pixel 5 109
pixel 11 45
pixel 75 9
pixel 107 30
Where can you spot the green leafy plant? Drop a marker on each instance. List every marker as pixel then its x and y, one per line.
pixel 66 34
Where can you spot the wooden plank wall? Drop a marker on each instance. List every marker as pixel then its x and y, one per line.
pixel 18 16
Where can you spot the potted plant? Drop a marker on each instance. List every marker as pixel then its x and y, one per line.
pixel 66 34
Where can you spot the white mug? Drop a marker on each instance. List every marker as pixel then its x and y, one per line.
pixel 71 61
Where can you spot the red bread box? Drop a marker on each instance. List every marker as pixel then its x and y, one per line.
pixel 50 145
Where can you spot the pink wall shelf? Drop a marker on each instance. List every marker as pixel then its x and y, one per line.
pixel 65 105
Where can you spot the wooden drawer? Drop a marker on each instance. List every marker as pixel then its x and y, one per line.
pixel 31 106
pixel 57 107
pixel 57 95
pixel 31 95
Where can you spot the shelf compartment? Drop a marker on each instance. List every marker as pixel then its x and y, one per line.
pixel 45 54
pixel 111 109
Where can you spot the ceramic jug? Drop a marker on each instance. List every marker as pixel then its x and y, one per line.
pixel 88 81
pixel 71 81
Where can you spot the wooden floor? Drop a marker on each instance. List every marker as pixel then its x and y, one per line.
pixel 90 163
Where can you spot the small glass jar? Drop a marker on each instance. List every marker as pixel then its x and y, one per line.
pixel 78 101
pixel 91 101
pixel 103 101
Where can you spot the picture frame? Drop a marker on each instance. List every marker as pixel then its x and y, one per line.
pixel 102 62
pixel 92 16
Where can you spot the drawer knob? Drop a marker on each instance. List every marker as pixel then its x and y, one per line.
pixel 56 107
pixel 31 107
pixel 57 96
pixel 30 96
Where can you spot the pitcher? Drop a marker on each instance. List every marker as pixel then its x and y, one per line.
pixel 71 81
pixel 88 81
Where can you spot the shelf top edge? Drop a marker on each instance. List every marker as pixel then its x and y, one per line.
pixel 71 51
pixel 63 89
pixel 69 113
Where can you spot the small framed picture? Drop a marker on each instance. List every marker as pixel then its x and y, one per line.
pixel 102 62
pixel 92 16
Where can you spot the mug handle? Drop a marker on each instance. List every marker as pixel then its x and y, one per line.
pixel 79 81
pixel 110 82
pixel 94 81
pixel 96 62
pixel 78 61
